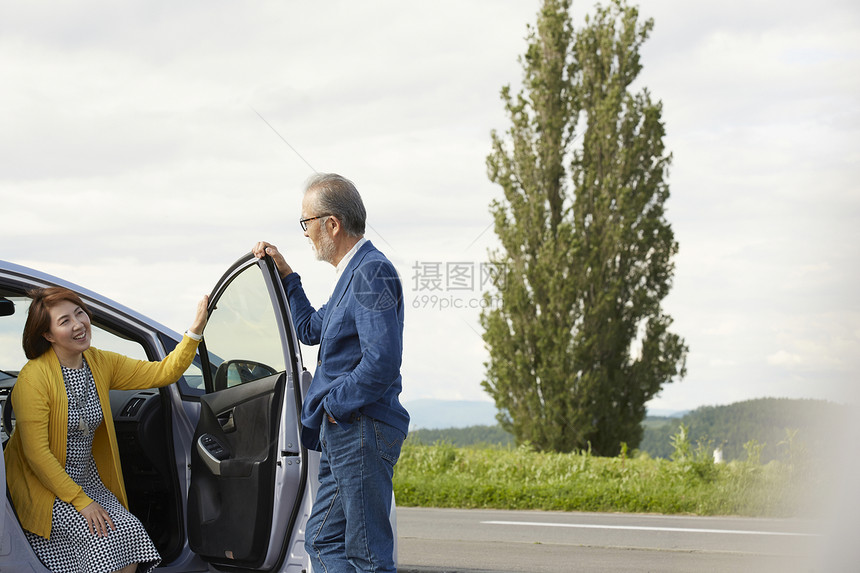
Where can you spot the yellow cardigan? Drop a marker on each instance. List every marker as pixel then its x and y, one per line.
pixel 36 452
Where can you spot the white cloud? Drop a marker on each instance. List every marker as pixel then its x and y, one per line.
pixel 784 358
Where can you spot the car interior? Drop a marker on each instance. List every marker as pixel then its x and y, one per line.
pixel 141 420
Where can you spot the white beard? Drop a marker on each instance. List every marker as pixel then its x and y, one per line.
pixel 326 250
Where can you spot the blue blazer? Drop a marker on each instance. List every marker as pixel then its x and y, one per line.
pixel 360 336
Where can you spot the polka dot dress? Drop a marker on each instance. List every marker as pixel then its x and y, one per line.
pixel 72 548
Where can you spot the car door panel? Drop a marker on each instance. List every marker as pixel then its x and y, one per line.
pixel 232 503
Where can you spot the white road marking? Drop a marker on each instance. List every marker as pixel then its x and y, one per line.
pixel 643 528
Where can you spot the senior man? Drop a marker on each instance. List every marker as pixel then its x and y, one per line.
pixel 352 413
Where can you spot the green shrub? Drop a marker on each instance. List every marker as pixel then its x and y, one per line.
pixel 441 475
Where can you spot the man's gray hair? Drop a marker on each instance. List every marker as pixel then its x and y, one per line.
pixel 337 195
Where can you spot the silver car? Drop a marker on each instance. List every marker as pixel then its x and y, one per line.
pixel 213 464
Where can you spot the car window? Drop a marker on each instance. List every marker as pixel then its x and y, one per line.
pixel 11 331
pixel 192 380
pixel 242 336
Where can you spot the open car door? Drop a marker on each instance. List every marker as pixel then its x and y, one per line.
pixel 248 468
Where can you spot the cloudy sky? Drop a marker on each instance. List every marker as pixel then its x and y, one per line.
pixel 133 161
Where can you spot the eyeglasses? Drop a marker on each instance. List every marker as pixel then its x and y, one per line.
pixel 304 222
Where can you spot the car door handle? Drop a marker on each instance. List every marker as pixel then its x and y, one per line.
pixel 226 421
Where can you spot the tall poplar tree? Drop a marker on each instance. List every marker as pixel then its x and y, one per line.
pixel 580 341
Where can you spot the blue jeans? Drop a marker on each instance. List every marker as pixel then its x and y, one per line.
pixel 348 529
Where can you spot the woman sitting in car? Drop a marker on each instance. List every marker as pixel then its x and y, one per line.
pixel 62 461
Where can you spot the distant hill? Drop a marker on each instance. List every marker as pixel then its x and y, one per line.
pixel 478 436
pixel 429 414
pixel 657 413
pixel 765 420
pixel 437 414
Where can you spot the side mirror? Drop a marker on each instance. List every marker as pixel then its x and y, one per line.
pixel 236 372
pixel 7 307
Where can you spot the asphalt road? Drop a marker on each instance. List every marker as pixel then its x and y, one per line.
pixel 457 540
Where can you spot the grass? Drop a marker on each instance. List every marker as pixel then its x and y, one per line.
pixel 441 475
